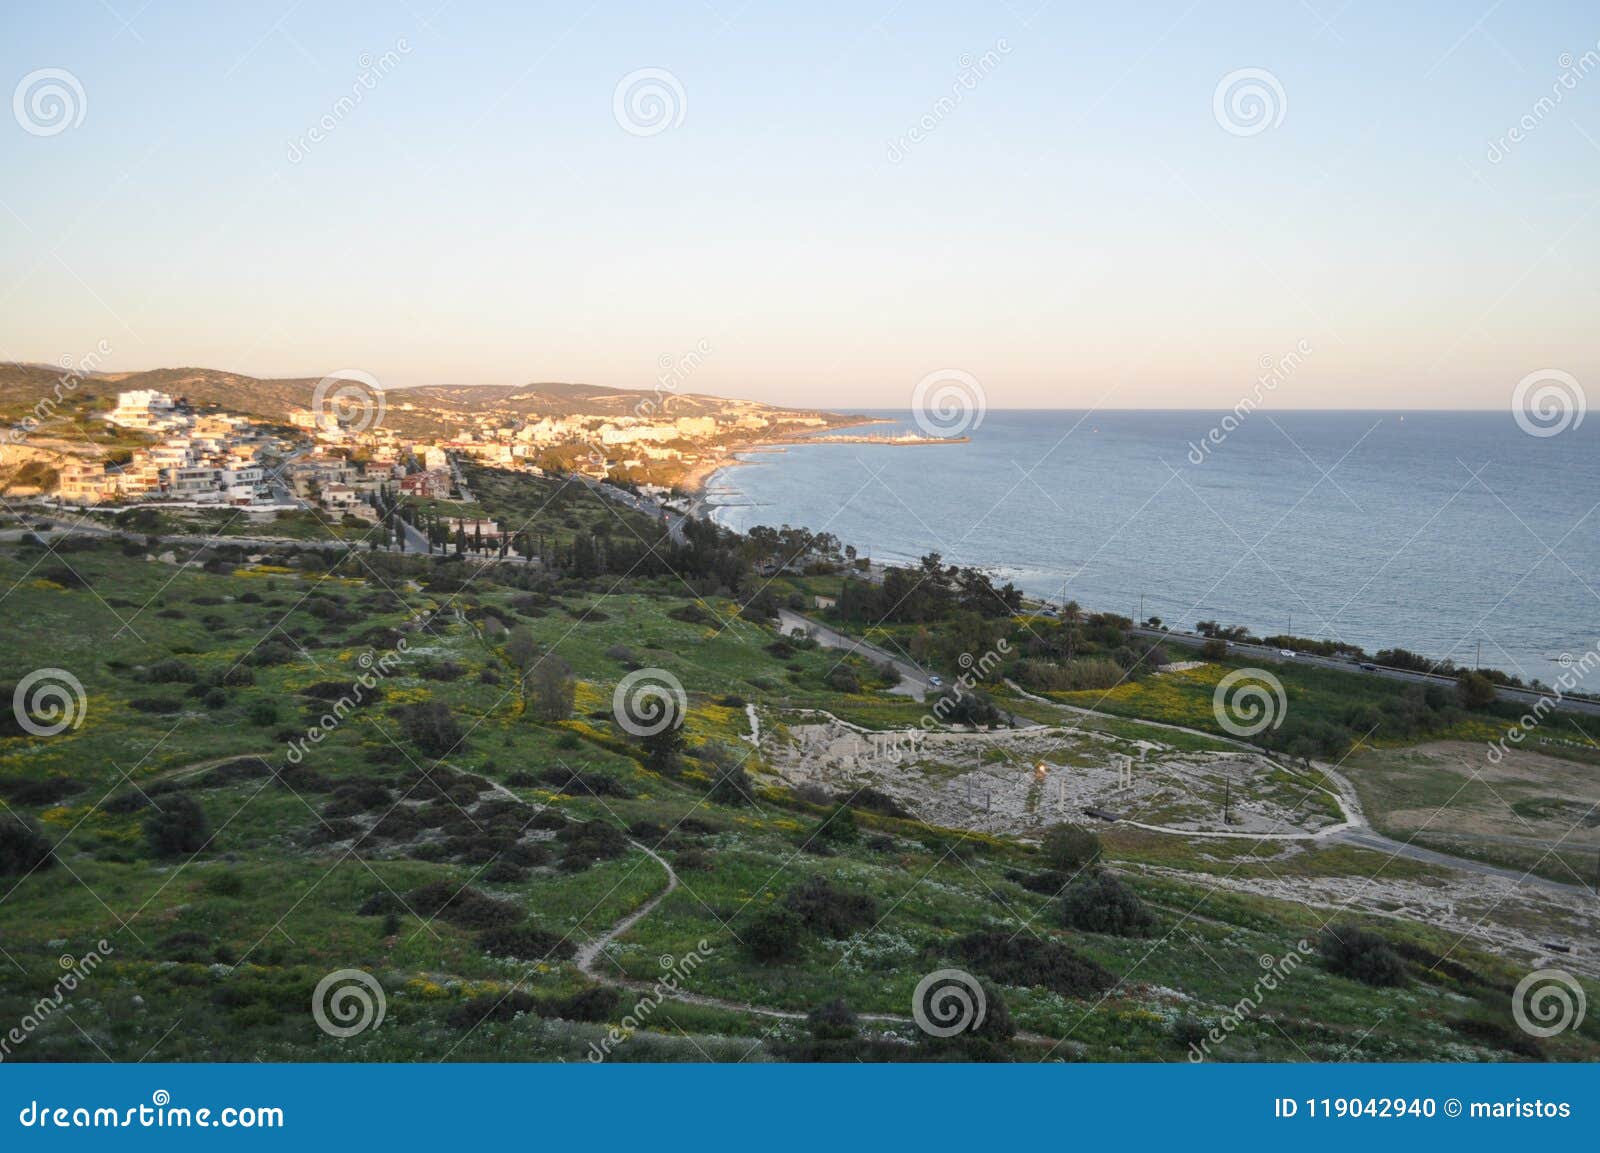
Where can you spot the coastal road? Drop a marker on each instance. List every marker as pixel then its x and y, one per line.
pixel 913 678
pixel 1340 664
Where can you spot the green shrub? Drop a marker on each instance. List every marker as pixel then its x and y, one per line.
pixel 1097 902
pixel 178 827
pixel 1068 848
pixel 23 848
pixel 1361 956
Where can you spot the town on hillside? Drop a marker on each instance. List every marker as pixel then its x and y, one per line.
pixel 341 458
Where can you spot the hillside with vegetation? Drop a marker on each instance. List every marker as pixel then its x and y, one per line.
pixel 298 758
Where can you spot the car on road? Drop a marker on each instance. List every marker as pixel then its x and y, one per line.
pixel 935 681
pixel 1368 667
pixel 1286 652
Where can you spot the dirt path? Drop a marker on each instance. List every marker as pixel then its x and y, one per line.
pixel 588 956
pixel 1356 830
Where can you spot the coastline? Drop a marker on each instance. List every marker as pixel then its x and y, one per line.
pixel 697 479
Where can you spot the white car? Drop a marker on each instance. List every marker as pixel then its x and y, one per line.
pixel 1286 652
pixel 935 681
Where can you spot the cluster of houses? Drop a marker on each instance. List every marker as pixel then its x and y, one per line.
pixel 207 458
pixel 212 458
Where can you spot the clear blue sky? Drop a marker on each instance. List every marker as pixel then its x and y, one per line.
pixel 1078 228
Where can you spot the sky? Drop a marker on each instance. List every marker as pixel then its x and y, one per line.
pixel 826 204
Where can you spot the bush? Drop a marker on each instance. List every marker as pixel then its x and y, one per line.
pixel 466 907
pixel 834 1021
pixel 837 828
pixel 23 848
pixel 1361 956
pixel 432 727
pixel 1098 902
pixel 587 842
pixel 596 1003
pixel 1026 960
pixel 1068 848
pixel 774 934
pixel 177 828
pixel 831 912
pixel 524 943
pixel 843 680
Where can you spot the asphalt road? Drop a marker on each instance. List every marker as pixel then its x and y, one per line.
pixel 912 677
pixel 1272 654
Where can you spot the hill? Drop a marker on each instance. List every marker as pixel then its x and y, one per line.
pixel 426 409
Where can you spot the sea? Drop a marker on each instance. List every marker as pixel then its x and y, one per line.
pixel 1456 535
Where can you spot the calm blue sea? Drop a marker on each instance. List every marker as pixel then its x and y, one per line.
pixel 1434 531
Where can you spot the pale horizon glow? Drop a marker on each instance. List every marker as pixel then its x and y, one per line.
pixel 1076 230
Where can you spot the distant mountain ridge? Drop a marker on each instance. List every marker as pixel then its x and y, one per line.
pixel 430 407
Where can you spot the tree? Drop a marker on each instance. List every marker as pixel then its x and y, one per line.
pixel 553 688
pixel 1475 690
pixel 521 648
pixel 178 828
pixel 838 827
pixel 432 727
pixel 1100 903
pixel 730 784
pixel 664 747
pixel 1069 847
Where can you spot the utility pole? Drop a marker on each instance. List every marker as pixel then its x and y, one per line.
pixel 1477 661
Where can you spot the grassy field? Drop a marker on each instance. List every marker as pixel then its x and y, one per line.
pixel 202 683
